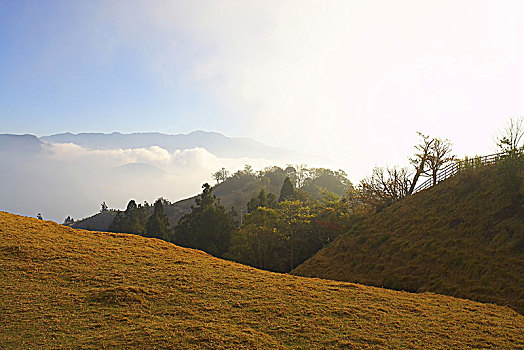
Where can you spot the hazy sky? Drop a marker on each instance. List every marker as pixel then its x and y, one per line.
pixel 353 80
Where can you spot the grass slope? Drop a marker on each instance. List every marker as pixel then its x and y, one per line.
pixel 66 288
pixel 462 237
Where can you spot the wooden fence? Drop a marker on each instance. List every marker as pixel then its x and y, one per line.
pixel 460 165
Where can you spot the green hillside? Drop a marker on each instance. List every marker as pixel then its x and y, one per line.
pixel 71 289
pixel 237 190
pixel 98 222
pixel 463 237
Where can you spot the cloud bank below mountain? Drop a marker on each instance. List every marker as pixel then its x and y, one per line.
pixel 67 179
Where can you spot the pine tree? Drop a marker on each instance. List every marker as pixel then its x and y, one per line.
pixel 271 200
pixel 129 221
pixel 207 227
pixel 158 224
pixel 287 190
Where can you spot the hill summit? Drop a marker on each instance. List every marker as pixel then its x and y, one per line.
pixel 463 237
pixel 67 288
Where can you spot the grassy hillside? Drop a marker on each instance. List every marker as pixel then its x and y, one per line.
pixel 66 288
pixel 463 237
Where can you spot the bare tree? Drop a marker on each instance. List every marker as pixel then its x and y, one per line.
pixel 383 187
pixel 420 158
pixel 395 184
pixel 440 156
pixel 302 174
pixel 221 175
pixel 509 139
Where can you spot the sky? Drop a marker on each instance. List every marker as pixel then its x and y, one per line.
pixel 349 80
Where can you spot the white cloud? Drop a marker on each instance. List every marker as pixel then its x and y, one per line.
pixel 66 179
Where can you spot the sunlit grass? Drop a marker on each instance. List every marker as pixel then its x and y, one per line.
pixel 66 288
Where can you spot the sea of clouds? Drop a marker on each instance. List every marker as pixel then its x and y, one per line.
pixel 69 180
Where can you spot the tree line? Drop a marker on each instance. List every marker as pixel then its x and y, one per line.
pixel 143 220
pixel 278 232
pixel 276 235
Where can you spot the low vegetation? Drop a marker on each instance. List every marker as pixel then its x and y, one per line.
pixel 65 288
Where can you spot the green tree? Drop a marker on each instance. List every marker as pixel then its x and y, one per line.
pixel 296 228
pixel 262 200
pixel 259 242
pixel 287 190
pixel 158 224
pixel 325 179
pixel 273 175
pixel 278 239
pixel 207 227
pixel 271 200
pixel 248 170
pixel 331 218
pixel 129 221
pixel 291 172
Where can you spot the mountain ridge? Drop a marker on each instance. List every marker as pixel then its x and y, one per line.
pixel 25 143
pixel 214 142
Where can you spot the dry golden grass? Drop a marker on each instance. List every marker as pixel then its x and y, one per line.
pixel 461 238
pixel 71 289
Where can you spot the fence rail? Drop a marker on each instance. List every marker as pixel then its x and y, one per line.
pixel 460 165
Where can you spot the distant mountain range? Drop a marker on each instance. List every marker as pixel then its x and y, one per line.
pixel 216 143
pixel 20 143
